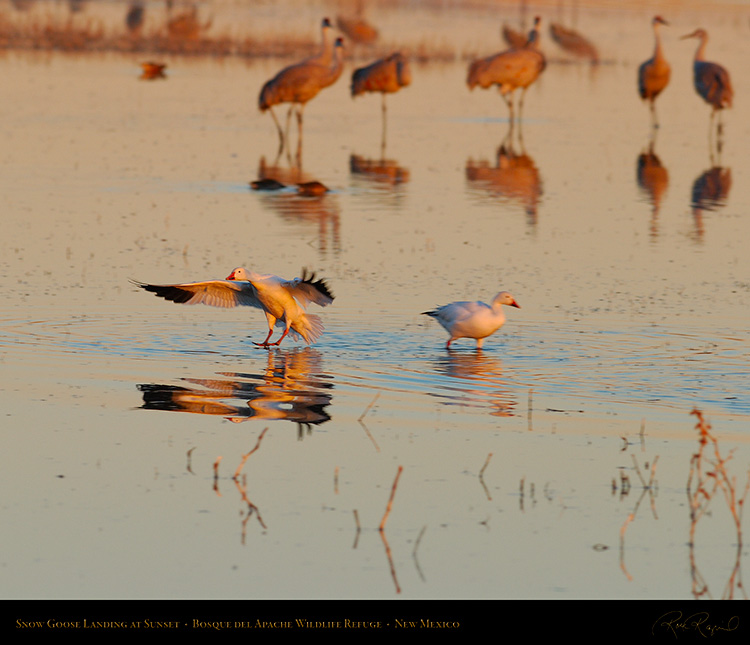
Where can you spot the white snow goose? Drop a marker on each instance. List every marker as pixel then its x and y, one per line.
pixel 282 301
pixel 473 319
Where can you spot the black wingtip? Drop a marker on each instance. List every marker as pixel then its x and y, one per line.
pixel 168 292
pixel 320 285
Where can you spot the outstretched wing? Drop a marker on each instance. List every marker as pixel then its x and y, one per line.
pixel 307 289
pixel 216 293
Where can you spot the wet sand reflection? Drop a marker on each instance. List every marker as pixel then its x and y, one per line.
pixel 292 388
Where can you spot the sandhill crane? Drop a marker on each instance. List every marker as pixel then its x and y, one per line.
pixel 515 39
pixel 510 70
pixel 356 28
pixel 653 75
pixel 711 80
pixel 574 42
pixel 134 17
pixel 299 83
pixel 386 75
pixel 325 55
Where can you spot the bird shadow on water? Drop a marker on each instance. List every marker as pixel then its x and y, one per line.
pixel 292 388
pixel 514 176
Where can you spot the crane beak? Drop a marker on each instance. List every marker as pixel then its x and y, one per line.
pixel 688 36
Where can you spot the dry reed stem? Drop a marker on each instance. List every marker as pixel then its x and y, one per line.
pixel 251 508
pixel 481 476
pixel 359 529
pixel 365 428
pixel 414 552
pixel 390 560
pixel 367 409
pixel 700 496
pixel 216 475
pixel 390 501
pixel 245 457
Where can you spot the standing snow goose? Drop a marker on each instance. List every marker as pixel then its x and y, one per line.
pixel 473 319
pixel 282 301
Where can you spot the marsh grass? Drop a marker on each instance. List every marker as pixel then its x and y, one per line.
pixel 710 478
pixel 56 28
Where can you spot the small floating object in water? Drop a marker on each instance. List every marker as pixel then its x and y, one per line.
pixel 475 320
pixel 312 189
pixel 152 71
pixel 266 184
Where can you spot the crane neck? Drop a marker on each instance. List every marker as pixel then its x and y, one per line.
pixel 699 53
pixel 657 41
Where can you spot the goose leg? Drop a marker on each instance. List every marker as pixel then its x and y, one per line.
pixel 265 343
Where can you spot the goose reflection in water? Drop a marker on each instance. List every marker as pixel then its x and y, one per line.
pixel 653 180
pixel 476 379
pixel 514 176
pixel 292 388
pixel 710 193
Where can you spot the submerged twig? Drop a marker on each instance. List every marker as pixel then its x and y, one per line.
pixel 481 476
pixel 390 501
pixel 414 552
pixel 216 475
pixel 245 457
pixel 359 528
pixel 365 428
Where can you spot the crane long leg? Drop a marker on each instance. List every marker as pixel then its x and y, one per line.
pixel 385 117
pixel 654 118
pixel 278 127
pixel 520 104
pixel 299 122
pixel 509 103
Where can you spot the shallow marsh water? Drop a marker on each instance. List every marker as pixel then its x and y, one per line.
pixel 634 311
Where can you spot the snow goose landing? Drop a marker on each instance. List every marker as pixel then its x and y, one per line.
pixel 473 319
pixel 282 301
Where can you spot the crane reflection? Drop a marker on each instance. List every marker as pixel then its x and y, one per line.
pixel 709 193
pixel 653 180
pixel 514 177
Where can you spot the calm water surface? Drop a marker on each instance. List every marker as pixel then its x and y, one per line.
pixel 125 417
